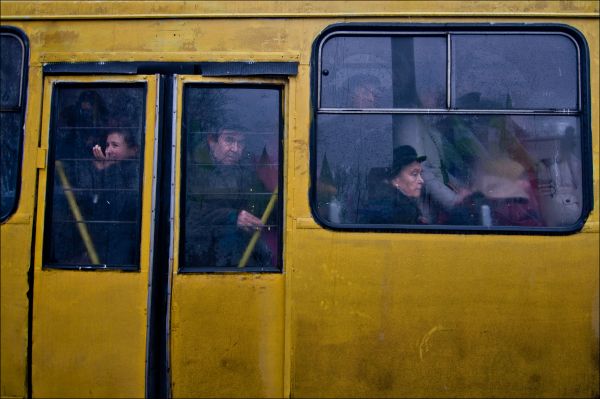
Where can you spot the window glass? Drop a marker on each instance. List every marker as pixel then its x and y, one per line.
pixel 231 204
pixel 95 191
pixel 514 72
pixel 10 132
pixel 11 119
pixel 11 62
pixel 348 148
pixel 384 72
pixel 507 154
pixel 479 170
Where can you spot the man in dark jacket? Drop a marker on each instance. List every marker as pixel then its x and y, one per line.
pixel 224 197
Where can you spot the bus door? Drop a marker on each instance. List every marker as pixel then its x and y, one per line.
pixel 226 313
pixel 93 236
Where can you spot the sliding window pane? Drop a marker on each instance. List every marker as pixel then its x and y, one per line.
pixel 384 72
pixel 514 72
pixel 232 200
pixel 95 169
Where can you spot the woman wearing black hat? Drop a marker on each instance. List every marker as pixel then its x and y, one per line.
pixel 394 198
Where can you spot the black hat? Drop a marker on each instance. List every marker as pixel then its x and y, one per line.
pixel 404 155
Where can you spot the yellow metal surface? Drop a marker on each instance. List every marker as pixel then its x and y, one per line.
pixel 227 330
pixel 15 308
pixel 377 316
pixel 227 335
pixel 89 328
pixel 413 315
pixel 291 9
pixel 353 315
pixel 89 334
pixel 15 255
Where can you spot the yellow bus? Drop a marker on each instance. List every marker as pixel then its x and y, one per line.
pixel 299 199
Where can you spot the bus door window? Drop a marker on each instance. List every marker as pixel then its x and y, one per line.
pixel 12 92
pixel 231 201
pixel 95 169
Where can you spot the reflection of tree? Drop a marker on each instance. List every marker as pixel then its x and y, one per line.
pixel 354 144
pixel 343 181
pixel 126 108
pixel 10 73
pixel 205 110
pixel 267 172
pixel 9 143
pixel 482 63
pixel 80 121
pixel 326 189
pixel 349 187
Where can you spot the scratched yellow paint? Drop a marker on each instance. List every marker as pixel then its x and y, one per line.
pixel 506 316
pixel 226 331
pixel 14 308
pixel 15 255
pixel 353 315
pixel 89 328
pixel 227 335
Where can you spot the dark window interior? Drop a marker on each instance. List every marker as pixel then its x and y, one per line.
pixel 95 172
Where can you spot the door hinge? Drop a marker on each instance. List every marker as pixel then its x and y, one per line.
pixel 42 158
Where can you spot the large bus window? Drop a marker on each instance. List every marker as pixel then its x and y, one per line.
pixel 505 153
pixel 231 197
pixel 12 92
pixel 94 189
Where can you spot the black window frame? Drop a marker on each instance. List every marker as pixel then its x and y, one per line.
pixel 49 194
pixel 21 109
pixel 188 269
pixel 378 29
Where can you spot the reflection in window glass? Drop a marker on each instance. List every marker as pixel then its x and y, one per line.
pixel 231 207
pixel 514 72
pixel 384 72
pixel 11 67
pixel 11 119
pixel 10 132
pixel 479 170
pixel 94 196
pixel 348 147
pixel 415 162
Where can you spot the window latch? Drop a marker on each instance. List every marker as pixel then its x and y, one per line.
pixel 42 158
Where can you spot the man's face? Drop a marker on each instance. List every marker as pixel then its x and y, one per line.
pixel 228 148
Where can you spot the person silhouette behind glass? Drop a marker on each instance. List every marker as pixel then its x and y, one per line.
pixel 394 198
pixel 79 125
pixel 224 204
pixel 115 198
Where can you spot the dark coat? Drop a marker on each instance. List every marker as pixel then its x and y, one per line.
pixel 387 205
pixel 215 195
pixel 109 202
pixel 116 209
pixel 503 212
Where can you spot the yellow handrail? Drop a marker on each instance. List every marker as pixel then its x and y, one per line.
pixel 256 234
pixel 81 226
